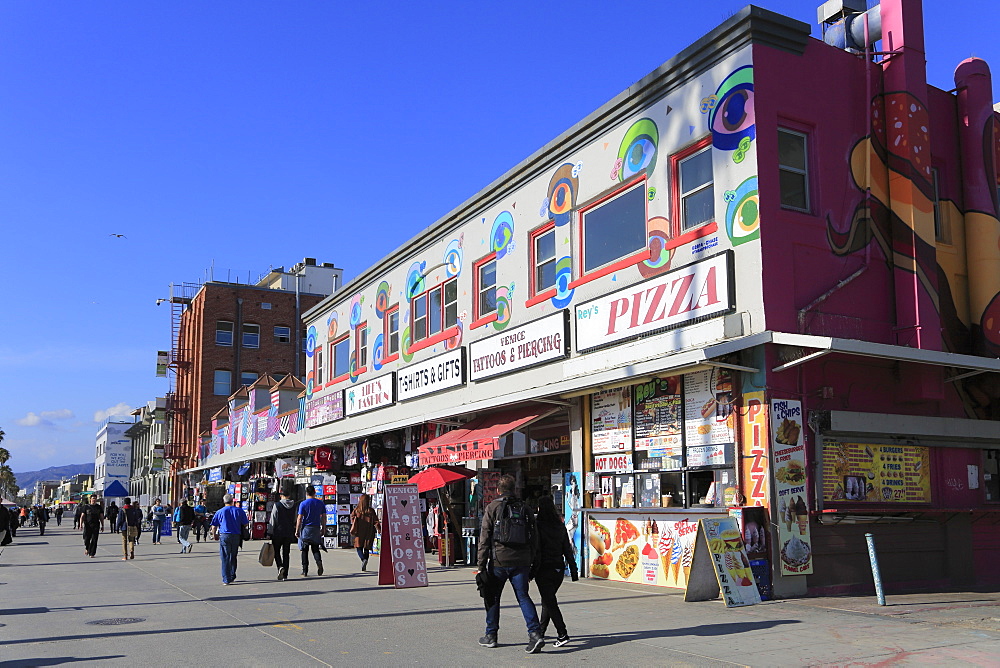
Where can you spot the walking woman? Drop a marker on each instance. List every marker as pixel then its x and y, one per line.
pixel 554 553
pixel 281 526
pixel 363 523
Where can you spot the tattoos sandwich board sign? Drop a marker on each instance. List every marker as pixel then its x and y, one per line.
pixel 401 559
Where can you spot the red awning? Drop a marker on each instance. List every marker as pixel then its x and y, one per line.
pixel 479 438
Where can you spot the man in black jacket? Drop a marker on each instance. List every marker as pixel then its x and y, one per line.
pixel 92 520
pixel 513 557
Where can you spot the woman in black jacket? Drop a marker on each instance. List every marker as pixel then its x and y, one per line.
pixel 554 553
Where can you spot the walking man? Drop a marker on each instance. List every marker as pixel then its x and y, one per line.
pixel 200 521
pixel 59 514
pixel 281 525
pixel 159 513
pixel 227 526
pixel 309 529
pixel 184 516
pixel 42 515
pixel 508 545
pixel 93 524
pixel 129 523
pixel 112 517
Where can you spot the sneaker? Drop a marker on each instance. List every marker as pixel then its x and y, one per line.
pixel 305 574
pixel 535 643
pixel 282 573
pixel 319 570
pixel 488 640
pixel 364 565
pixel 560 641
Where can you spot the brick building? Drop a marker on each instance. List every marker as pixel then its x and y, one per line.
pixel 226 335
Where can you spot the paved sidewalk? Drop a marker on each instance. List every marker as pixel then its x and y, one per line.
pixel 164 608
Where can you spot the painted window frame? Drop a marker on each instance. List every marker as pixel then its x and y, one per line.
pixel 536 295
pixel 361 347
pixel 629 259
pixel 805 173
pixel 445 331
pixel 215 383
pixel 391 353
pixel 231 331
pixel 336 374
pixel 286 337
pixel 676 197
pixel 318 368
pixel 244 334
pixel 480 318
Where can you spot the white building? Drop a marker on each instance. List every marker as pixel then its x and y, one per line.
pixel 113 460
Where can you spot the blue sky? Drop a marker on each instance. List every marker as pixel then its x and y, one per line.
pixel 242 135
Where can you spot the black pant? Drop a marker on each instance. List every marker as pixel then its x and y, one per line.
pixel 41 528
pixel 281 547
pixel 548 580
pixel 316 556
pixel 90 534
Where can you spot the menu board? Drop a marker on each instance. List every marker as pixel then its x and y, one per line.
pixel 402 562
pixel 708 408
pixel 657 420
pixel 868 473
pixel 611 420
pixel 788 452
pixel 634 548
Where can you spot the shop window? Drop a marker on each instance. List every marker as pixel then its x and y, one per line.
pixel 223 333
pixel 248 378
pixel 282 334
pixel 340 356
pixel 991 475
pixel 223 383
pixel 793 170
pixel 391 333
pixel 614 228
pixel 435 310
pixel 251 336
pixel 485 276
pixel 361 346
pixel 543 259
pixel 693 186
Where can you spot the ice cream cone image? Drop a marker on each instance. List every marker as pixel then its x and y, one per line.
pixel 686 560
pixel 801 516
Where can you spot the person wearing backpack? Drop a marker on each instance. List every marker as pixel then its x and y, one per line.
pixel 129 523
pixel 93 524
pixel 183 517
pixel 508 546
pixel 159 513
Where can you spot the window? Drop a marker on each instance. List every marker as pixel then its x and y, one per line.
pixel 251 336
pixel 361 349
pixel 435 310
pixel 266 306
pixel 304 339
pixel 543 259
pixel 793 170
pixel 392 332
pixel 340 353
pixel 247 378
pixel 223 333
pixel 318 366
pixel 991 475
pixel 223 384
pixel 282 334
pixel 486 286
pixel 696 193
pixel 614 228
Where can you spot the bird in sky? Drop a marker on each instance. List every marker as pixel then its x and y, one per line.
pixel 120 236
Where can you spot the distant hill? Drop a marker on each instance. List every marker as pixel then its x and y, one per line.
pixel 28 479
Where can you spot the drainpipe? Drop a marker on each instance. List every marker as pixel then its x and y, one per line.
pixel 298 327
pixel 237 345
pixel 979 175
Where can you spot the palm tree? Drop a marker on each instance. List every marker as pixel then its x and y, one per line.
pixel 8 482
pixel 4 453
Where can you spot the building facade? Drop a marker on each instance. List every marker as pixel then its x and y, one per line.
pixel 150 475
pixel 728 290
pixel 113 453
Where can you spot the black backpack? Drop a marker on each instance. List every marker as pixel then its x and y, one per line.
pixel 511 526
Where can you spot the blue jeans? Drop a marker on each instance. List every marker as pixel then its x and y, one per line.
pixel 229 546
pixel 518 577
pixel 183 531
pixel 157 525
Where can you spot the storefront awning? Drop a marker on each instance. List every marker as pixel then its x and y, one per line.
pixel 479 438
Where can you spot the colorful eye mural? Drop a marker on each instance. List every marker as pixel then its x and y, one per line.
pixel 502 235
pixel 381 299
pixel 404 345
pixel 415 279
pixel 731 119
pixel 455 341
pixel 743 212
pixel 638 149
pixel 563 187
pixel 505 294
pixel 564 275
pixel 310 384
pixel 356 303
pixel 378 352
pixel 331 327
pixel 658 230
pixel 354 371
pixel 453 258
pixel 310 341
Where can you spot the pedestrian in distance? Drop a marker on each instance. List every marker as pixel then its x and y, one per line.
pixel 508 547
pixel 129 524
pixel 24 515
pixel 93 524
pixel 112 513
pixel 200 521
pixel 309 530
pixel 363 524
pixel 159 513
pixel 554 553
pixel 227 527
pixel 6 523
pixel 59 513
pixel 281 526
pixel 78 514
pixel 184 517
pixel 42 518
pixel 15 520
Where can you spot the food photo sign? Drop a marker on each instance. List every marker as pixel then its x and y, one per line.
pixel 401 563
pixel 708 408
pixel 642 550
pixel 869 473
pixel 721 565
pixel 789 466
pixel 611 420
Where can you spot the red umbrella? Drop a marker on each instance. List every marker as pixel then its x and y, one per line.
pixel 437 477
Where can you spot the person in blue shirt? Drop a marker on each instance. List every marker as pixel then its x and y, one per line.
pixel 309 529
pixel 227 526
pixel 159 514
pixel 200 520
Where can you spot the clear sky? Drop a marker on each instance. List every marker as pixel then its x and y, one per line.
pixel 242 135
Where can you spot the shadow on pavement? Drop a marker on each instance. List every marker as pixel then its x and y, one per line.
pixel 580 643
pixel 59 660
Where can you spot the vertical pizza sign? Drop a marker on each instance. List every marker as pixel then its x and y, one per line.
pixel 401 559
pixel 753 453
pixel 789 466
